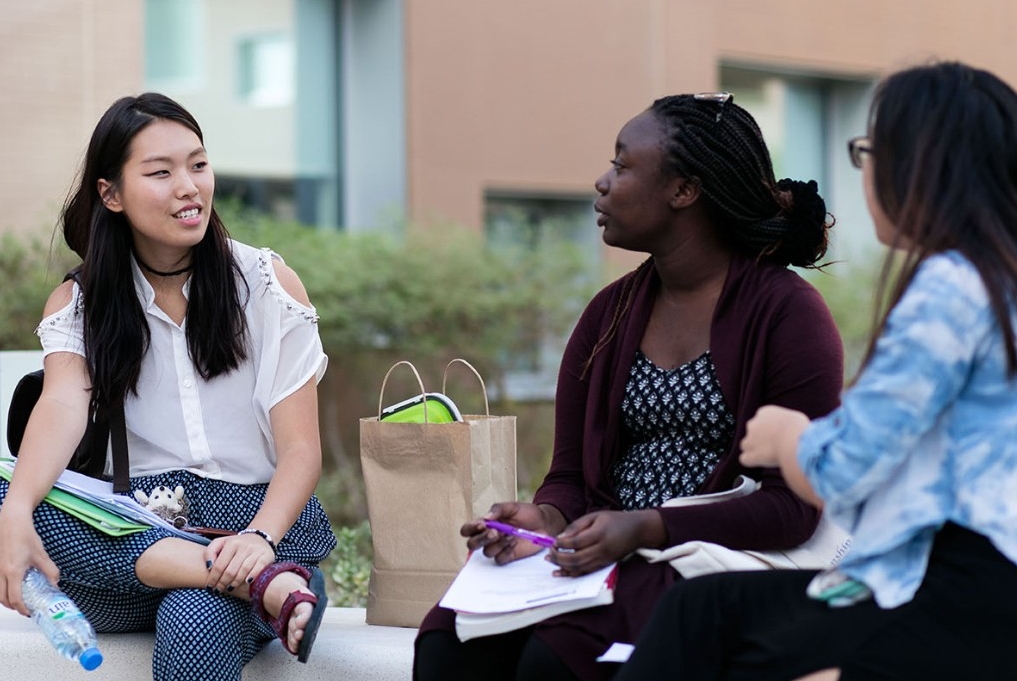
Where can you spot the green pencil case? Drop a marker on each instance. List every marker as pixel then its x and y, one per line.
pixel 440 409
pixel 423 408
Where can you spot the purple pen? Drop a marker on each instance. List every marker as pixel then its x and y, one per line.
pixel 535 537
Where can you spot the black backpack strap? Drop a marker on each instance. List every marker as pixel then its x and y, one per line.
pixel 75 274
pixel 118 438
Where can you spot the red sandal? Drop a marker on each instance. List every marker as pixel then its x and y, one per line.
pixel 280 625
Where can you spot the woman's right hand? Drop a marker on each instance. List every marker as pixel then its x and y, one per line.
pixel 506 548
pixel 20 548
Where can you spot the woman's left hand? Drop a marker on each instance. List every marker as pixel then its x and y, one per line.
pixel 236 560
pixel 603 537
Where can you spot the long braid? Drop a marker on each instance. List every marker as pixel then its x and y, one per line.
pixel 625 296
pixel 721 146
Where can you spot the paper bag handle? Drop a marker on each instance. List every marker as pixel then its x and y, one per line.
pixel 483 388
pixel 420 382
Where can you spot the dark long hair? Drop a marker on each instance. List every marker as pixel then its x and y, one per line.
pixel 116 332
pixel 718 143
pixel 944 152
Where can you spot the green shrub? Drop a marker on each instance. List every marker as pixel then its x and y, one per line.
pixel 420 294
pixel 29 270
pixel 349 566
pixel 849 291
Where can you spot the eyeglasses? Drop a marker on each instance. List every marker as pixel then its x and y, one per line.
pixel 721 98
pixel 857 146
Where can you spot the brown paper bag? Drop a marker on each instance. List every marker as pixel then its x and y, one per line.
pixel 423 481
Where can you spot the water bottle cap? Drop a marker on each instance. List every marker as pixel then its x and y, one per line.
pixel 90 658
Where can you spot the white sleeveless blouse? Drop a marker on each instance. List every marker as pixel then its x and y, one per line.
pixel 219 428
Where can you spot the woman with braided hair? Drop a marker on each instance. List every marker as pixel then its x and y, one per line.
pixel 920 460
pixel 658 379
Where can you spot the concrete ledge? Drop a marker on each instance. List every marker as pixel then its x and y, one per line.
pixel 346 648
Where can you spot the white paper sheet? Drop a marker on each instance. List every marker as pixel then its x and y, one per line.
pixel 483 586
pixel 618 652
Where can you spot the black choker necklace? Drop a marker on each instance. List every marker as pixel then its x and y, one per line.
pixel 174 273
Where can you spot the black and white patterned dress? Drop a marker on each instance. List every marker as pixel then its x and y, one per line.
pixel 678 426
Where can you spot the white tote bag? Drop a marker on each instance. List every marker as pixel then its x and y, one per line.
pixel 823 550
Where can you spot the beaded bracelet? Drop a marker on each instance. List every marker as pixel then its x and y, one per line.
pixel 261 533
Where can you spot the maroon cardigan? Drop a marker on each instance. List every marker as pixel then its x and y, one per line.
pixel 772 341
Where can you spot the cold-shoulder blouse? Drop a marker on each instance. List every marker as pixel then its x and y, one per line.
pixel 218 428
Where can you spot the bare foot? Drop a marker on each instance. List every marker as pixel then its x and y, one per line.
pixel 275 595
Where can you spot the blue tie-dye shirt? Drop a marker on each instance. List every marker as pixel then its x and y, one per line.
pixel 928 434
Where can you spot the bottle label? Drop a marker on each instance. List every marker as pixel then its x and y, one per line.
pixel 61 609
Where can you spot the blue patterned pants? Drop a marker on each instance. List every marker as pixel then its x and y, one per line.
pixel 199 636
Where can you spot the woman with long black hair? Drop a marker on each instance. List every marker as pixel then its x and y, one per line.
pixel 211 348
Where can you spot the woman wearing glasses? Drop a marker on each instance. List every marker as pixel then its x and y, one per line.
pixel 656 384
pixel 920 461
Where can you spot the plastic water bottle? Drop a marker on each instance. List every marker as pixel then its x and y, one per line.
pixel 64 625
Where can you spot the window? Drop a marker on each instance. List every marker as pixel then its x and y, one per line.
pixel 266 70
pixel 273 196
pixel 534 224
pixel 174 44
pixel 806 121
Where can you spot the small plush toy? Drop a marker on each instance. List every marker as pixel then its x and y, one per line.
pixel 169 504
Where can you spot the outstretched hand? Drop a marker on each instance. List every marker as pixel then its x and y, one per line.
pixel 771 440
pixel 771 437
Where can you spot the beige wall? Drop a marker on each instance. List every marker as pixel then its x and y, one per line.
pixel 530 94
pixel 524 95
pixel 858 36
pixel 62 62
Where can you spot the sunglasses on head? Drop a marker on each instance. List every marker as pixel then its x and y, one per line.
pixel 721 98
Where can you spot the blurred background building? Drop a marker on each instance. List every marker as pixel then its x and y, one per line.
pixel 493 115
pixel 381 114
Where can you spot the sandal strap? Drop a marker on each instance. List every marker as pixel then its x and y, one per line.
pixel 281 624
pixel 261 583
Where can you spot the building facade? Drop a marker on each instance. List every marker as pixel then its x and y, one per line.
pixel 413 114
pixel 61 64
